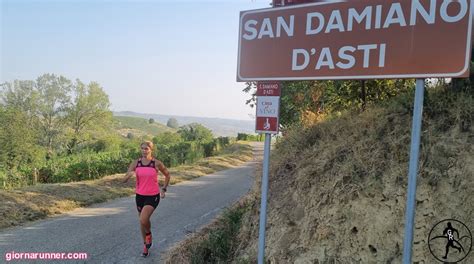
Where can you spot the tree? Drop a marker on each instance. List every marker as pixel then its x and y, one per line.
pixel 251 87
pixel 52 100
pixel 167 139
pixel 20 95
pixel 18 141
pixel 87 113
pixel 195 132
pixel 151 121
pixel 306 101
pixel 173 123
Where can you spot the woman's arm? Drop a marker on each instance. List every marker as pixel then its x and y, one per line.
pixel 161 167
pixel 131 171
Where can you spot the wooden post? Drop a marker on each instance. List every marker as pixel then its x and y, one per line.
pixel 35 176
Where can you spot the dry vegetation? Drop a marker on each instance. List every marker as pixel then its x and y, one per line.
pixel 40 201
pixel 216 242
pixel 338 187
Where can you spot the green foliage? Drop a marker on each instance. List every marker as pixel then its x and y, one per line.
pixel 251 87
pixel 223 141
pixel 3 179
pixel 107 143
pixel 55 130
pixel 247 137
pixel 195 132
pixel 17 139
pixel 302 101
pixel 174 151
pixel 53 98
pixel 177 153
pixel 209 148
pixel 85 166
pixel 167 139
pixel 184 151
pixel 142 124
pixel 242 136
pixel 64 114
pixel 41 119
pixel 106 156
pixel 86 114
pixel 20 95
pixel 173 123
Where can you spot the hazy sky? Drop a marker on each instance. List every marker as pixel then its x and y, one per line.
pixel 171 57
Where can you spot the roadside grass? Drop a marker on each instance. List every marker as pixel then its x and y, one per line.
pixel 349 169
pixel 40 201
pixel 219 241
pixel 214 243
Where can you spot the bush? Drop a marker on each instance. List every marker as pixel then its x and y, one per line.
pixel 209 148
pixel 12 179
pixel 242 136
pixel 85 166
pixel 92 165
pixel 247 137
pixel 223 142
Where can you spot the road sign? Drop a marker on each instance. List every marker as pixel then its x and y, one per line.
pixel 370 39
pixel 268 104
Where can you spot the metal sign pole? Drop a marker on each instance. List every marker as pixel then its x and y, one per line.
pixel 413 170
pixel 263 204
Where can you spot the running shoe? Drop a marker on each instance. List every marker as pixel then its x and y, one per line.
pixel 148 240
pixel 145 251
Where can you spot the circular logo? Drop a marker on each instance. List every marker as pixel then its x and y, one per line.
pixel 450 241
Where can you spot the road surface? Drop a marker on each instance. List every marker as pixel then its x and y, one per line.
pixel 109 232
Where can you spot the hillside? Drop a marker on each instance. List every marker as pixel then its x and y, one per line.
pixel 139 126
pixel 218 126
pixel 338 189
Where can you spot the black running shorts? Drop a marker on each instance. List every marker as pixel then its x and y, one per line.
pixel 143 200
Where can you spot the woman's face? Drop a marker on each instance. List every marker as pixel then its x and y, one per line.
pixel 146 151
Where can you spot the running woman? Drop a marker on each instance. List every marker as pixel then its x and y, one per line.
pixel 147 189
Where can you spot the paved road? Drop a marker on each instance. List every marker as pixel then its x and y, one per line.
pixel 109 232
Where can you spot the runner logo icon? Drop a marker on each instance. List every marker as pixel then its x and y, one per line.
pixel 450 241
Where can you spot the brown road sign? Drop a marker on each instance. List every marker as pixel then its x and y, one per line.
pixel 368 39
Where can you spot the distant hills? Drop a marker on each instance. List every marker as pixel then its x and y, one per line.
pixel 218 126
pixel 138 126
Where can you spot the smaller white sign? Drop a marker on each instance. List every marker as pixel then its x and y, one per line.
pixel 267 106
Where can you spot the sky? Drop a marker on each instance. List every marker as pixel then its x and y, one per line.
pixel 176 57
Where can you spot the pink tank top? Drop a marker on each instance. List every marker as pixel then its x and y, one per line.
pixel 147 178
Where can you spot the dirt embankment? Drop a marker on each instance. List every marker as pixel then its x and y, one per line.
pixel 338 189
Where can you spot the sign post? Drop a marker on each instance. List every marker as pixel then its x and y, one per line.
pixel 413 170
pixel 263 201
pixel 340 39
pixel 268 105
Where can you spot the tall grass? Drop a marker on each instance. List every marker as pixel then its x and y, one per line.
pixel 216 243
